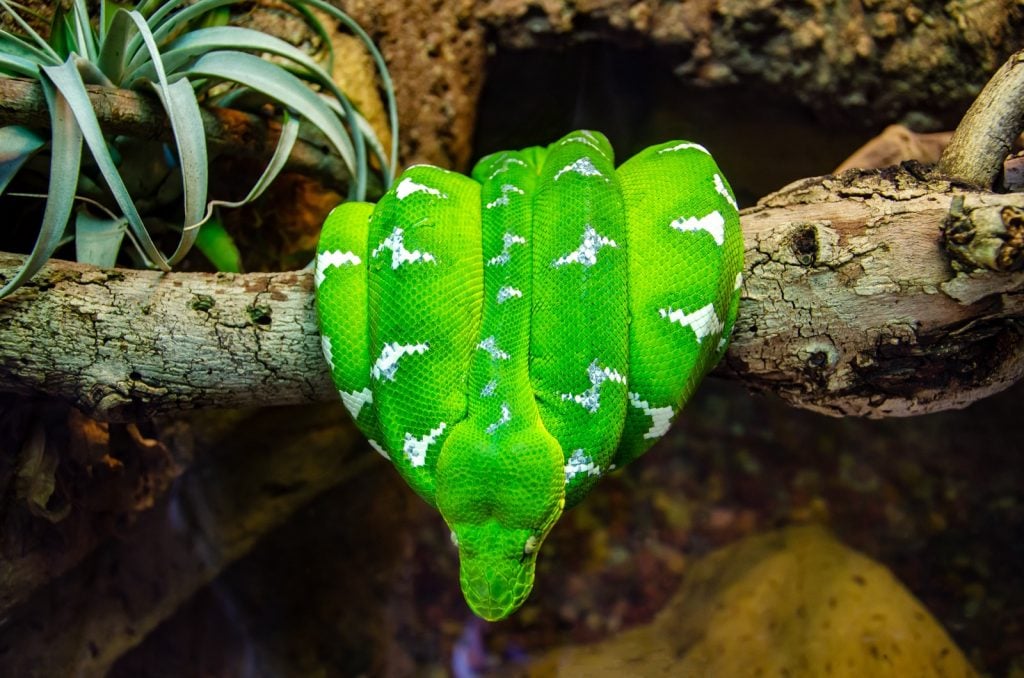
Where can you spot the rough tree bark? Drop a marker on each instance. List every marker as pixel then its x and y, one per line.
pixel 999 109
pixel 849 307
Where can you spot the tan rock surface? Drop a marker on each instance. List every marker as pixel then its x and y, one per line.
pixel 794 603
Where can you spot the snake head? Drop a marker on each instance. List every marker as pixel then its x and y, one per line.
pixel 500 494
pixel 496 567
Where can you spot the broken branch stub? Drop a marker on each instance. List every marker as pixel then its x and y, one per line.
pixel 983 138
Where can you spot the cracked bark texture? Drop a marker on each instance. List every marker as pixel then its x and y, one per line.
pixel 850 307
pixel 126 345
pixel 868 61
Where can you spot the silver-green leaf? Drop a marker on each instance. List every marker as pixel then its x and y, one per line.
pixel 65 162
pixel 17 145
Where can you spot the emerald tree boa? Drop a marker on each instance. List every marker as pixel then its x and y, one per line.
pixel 506 339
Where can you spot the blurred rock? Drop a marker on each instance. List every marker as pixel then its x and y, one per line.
pixel 897 144
pixel 795 602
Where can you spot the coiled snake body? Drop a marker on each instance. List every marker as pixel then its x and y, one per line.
pixel 508 338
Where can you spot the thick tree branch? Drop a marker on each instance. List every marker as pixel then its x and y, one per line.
pixel 126 112
pixel 130 344
pixel 850 306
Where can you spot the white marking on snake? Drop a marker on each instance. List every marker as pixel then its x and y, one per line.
pixel 506 190
pixel 739 281
pixel 661 417
pixel 583 166
pixel 724 192
pixel 580 462
pixel 589 141
pixel 355 400
pixel 455 539
pixel 586 253
pixel 590 399
pixel 407 187
pixel 488 390
pixel 505 165
pixel 507 241
pixel 490 344
pixel 704 321
pixel 434 168
pixel 713 223
pixel 387 364
pixel 399 254
pixel 415 449
pixel 380 450
pixel 325 344
pixel 329 258
pixel 685 146
pixel 506 417
pixel 506 293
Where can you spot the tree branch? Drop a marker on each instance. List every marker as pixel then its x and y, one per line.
pixel 121 111
pixel 850 307
pixel 983 139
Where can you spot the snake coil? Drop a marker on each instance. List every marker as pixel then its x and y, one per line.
pixel 507 338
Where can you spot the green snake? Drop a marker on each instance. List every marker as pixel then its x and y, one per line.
pixel 506 339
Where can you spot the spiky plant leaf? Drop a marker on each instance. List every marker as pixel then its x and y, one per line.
pixel 182 50
pixel 98 239
pixel 84 38
pixel 285 143
pixel 279 85
pixel 382 70
pixel 65 161
pixel 17 66
pixel 69 83
pixel 17 145
pixel 114 50
pixel 182 108
pixel 31 33
pixel 14 45
pixel 198 42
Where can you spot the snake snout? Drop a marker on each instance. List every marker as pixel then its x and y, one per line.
pixel 495 586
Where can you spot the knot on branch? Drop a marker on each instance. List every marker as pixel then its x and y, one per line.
pixel 988 237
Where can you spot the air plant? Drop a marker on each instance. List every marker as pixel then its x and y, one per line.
pixel 183 53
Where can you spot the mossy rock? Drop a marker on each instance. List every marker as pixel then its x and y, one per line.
pixel 790 603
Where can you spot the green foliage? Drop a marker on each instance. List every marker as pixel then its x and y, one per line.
pixel 219 247
pixel 187 55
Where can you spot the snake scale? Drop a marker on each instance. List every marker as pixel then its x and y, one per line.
pixel 507 338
